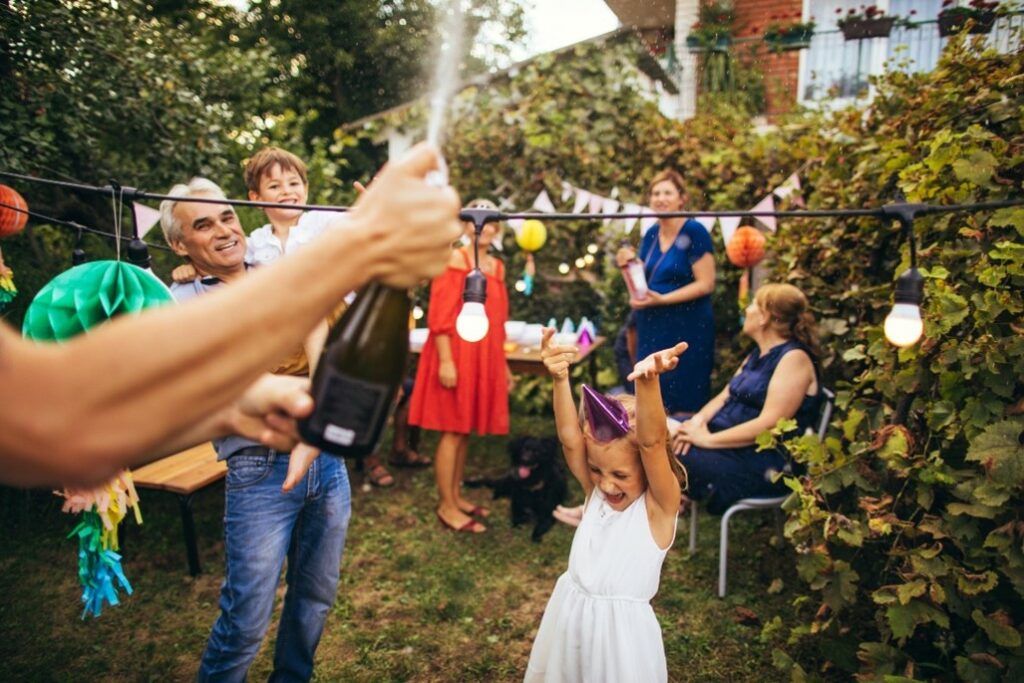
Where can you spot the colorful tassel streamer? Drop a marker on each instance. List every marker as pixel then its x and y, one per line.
pixel 99 565
pixel 7 289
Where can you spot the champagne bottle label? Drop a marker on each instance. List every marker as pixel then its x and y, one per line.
pixel 354 409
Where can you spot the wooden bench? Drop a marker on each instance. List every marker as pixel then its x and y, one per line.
pixel 183 474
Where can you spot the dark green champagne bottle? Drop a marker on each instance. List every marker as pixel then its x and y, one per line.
pixel 360 370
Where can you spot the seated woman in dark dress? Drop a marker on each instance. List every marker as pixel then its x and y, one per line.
pixel 779 379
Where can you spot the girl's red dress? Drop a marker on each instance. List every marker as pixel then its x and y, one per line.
pixel 479 401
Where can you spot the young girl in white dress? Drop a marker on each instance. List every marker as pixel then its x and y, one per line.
pixel 599 625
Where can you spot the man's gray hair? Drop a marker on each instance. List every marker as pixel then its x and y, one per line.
pixel 170 223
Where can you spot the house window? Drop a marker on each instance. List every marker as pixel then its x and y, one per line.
pixel 837 70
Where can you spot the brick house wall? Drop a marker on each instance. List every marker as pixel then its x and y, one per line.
pixel 781 70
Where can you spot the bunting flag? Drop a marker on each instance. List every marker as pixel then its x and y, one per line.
pixel 567 191
pixel 630 222
pixel 788 187
pixel 766 204
pixel 582 200
pixel 647 221
pixel 609 206
pixel 729 225
pixel 707 221
pixel 516 224
pixel 596 202
pixel 543 203
pixel 145 217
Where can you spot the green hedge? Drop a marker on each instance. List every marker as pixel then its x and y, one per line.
pixel 909 527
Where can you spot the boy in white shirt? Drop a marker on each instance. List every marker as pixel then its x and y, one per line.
pixel 276 175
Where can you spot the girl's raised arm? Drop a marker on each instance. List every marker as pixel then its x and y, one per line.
pixel 651 432
pixel 557 360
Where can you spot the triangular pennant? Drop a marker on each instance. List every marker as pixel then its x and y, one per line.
pixel 582 200
pixel 145 217
pixel 596 202
pixel 516 224
pixel 543 202
pixel 729 225
pixel 609 206
pixel 766 204
pixel 631 222
pixel 567 191
pixel 788 187
pixel 707 221
pixel 647 222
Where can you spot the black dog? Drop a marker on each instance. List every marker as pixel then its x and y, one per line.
pixel 536 483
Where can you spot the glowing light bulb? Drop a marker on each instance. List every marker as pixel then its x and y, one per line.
pixel 563 268
pixel 592 248
pixel 589 259
pixel 472 323
pixel 580 263
pixel 903 326
pixel 417 313
pixel 520 286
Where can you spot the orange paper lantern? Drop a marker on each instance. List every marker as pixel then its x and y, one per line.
pixel 11 220
pixel 746 248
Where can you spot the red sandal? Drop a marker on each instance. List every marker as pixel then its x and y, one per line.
pixel 470 527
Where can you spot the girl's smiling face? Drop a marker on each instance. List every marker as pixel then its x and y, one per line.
pixel 615 468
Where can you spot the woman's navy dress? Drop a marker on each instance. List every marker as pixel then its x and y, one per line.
pixel 722 476
pixel 687 388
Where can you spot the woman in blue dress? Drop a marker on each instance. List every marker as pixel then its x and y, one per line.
pixel 779 379
pixel 680 269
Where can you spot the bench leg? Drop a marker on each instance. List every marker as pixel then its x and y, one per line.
pixel 185 503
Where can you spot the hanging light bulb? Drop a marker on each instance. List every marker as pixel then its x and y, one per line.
pixel 589 259
pixel 580 263
pixel 520 285
pixel 472 323
pixel 417 312
pixel 563 268
pixel 903 326
pixel 591 248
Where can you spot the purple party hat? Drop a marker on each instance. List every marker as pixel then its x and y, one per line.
pixel 607 417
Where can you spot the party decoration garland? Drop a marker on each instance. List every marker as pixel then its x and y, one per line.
pixel 7 289
pixel 13 211
pixel 72 303
pixel 99 563
pixel 86 295
pixel 531 235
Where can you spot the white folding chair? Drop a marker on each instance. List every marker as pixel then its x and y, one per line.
pixel 754 503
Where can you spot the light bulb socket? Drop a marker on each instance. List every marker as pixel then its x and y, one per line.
pixel 480 217
pixel 138 253
pixel 475 289
pixel 909 287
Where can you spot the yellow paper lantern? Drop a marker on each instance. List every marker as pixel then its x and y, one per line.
pixel 532 235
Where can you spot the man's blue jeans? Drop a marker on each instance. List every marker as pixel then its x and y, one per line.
pixel 262 526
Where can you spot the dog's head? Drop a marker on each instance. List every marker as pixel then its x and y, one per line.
pixel 532 458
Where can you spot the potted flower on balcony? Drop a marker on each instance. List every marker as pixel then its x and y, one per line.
pixel 978 16
pixel 714 28
pixel 867 22
pixel 786 33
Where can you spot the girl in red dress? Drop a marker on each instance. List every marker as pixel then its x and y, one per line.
pixel 462 386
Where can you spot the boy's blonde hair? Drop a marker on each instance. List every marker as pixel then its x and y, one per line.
pixel 264 160
pixel 629 403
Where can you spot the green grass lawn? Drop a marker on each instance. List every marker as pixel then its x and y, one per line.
pixel 416 602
